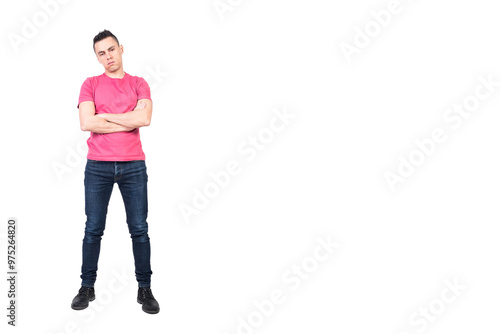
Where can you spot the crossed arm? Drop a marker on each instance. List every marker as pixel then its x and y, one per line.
pixel 109 123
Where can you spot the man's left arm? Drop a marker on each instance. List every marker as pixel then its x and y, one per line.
pixel 139 117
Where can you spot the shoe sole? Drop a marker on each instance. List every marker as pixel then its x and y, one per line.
pixel 149 312
pixel 84 307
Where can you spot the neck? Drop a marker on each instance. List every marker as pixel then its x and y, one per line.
pixel 118 74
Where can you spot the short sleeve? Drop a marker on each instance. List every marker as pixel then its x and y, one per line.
pixel 143 91
pixel 86 92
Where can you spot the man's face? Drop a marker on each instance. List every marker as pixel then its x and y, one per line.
pixel 109 54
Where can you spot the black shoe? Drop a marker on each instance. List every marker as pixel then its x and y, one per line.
pixel 81 301
pixel 149 303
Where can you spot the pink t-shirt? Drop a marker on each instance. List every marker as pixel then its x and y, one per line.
pixel 116 96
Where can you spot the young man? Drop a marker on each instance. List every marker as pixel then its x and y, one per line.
pixel 113 106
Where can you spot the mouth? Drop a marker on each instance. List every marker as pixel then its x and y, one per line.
pixel 111 63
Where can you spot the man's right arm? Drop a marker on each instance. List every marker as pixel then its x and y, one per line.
pixel 90 122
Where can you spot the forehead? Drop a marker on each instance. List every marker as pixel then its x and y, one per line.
pixel 105 44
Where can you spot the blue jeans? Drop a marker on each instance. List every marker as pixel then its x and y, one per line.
pixel 132 178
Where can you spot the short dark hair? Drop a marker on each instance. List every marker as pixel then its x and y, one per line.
pixel 104 34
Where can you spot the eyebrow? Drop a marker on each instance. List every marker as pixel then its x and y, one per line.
pixel 112 46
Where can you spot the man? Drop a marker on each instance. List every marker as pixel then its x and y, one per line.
pixel 113 106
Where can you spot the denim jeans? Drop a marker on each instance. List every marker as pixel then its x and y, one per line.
pixel 132 178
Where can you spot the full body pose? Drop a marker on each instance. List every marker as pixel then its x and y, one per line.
pixel 113 106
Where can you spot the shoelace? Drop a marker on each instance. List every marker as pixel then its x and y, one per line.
pixel 84 291
pixel 147 293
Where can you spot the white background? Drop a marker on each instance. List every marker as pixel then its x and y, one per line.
pixel 323 176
